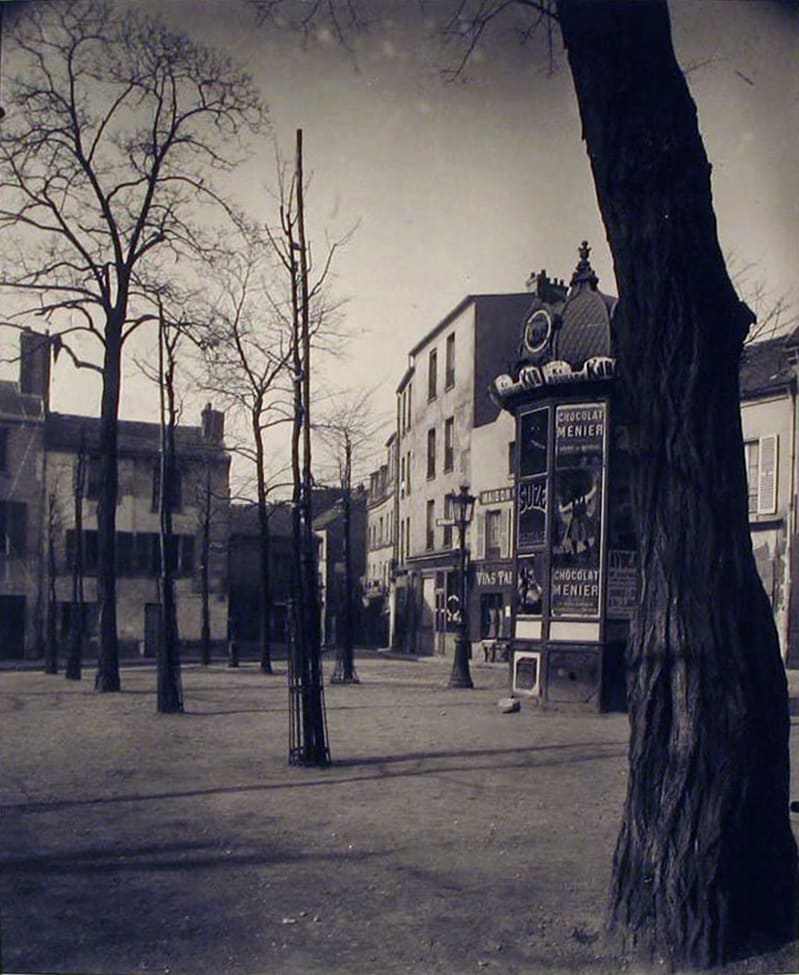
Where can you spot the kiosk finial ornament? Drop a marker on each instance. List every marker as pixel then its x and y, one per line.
pixel 584 271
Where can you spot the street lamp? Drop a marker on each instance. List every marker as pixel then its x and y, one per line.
pixel 462 506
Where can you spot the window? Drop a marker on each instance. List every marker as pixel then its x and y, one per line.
pixel 13 524
pixel 512 457
pixel 124 553
pixel 449 443
pixel 94 480
pixel 430 536
pixel 402 477
pixel 493 531
pixel 447 517
pixel 761 472
pixel 408 473
pixel 176 501
pixel 3 449
pixel 450 365
pixel 431 453
pixel 432 381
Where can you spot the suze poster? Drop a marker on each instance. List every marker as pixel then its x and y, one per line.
pixel 575 568
pixel 532 513
pixel 533 488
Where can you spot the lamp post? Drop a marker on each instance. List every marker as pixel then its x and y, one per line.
pixel 462 504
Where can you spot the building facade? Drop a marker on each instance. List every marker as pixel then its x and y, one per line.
pixel 381 536
pixel 441 401
pixel 201 504
pixel 44 456
pixel 23 407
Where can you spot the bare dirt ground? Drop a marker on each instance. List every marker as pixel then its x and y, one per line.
pixel 445 838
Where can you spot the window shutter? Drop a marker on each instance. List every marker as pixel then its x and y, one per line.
pixel 767 480
pixel 481 536
pixel 506 533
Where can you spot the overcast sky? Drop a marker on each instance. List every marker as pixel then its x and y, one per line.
pixel 468 187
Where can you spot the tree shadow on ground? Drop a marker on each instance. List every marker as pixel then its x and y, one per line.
pixel 160 857
pixel 384 764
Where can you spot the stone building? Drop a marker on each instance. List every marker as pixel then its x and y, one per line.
pixel 442 402
pixel 39 452
pixel 23 406
pixel 202 493
pixel 380 547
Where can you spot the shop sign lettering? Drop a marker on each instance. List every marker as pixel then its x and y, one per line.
pixel 493 577
pixel 575 591
pixel 532 515
pixel 496 495
pixel 622 581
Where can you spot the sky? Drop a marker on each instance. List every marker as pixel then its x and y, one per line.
pixel 466 187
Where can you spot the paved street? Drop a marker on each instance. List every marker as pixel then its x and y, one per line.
pixel 446 837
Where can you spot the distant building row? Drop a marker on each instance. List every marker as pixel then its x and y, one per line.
pixel 40 452
pixel 449 431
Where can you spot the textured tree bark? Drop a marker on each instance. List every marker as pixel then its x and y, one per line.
pixel 705 866
pixel 77 609
pixel 107 676
pixel 169 684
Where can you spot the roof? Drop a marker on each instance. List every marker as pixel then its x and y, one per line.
pixel 462 305
pixel 766 366
pixel 244 519
pixel 16 404
pixel 65 430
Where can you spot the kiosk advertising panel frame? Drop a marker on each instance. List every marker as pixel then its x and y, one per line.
pixel 576 572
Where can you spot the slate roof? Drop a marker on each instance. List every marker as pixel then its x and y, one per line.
pixel 16 404
pixel 62 431
pixel 244 520
pixel 766 366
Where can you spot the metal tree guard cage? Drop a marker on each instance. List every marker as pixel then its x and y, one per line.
pixel 307 712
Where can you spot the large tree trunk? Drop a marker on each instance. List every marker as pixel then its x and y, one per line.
pixel 170 689
pixel 107 677
pixel 705 865
pixel 77 610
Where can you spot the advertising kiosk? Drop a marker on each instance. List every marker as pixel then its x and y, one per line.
pixel 574 553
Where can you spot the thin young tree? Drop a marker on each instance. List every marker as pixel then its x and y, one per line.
pixel 77 608
pixel 113 131
pixel 348 430
pixel 308 744
pixel 706 863
pixel 51 635
pixel 205 509
pixel 247 360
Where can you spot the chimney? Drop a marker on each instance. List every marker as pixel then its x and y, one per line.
pixel 213 424
pixel 34 364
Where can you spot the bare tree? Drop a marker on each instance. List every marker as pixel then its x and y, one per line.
pixel 706 863
pixel 114 125
pixel 349 429
pixel 308 743
pixel 247 362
